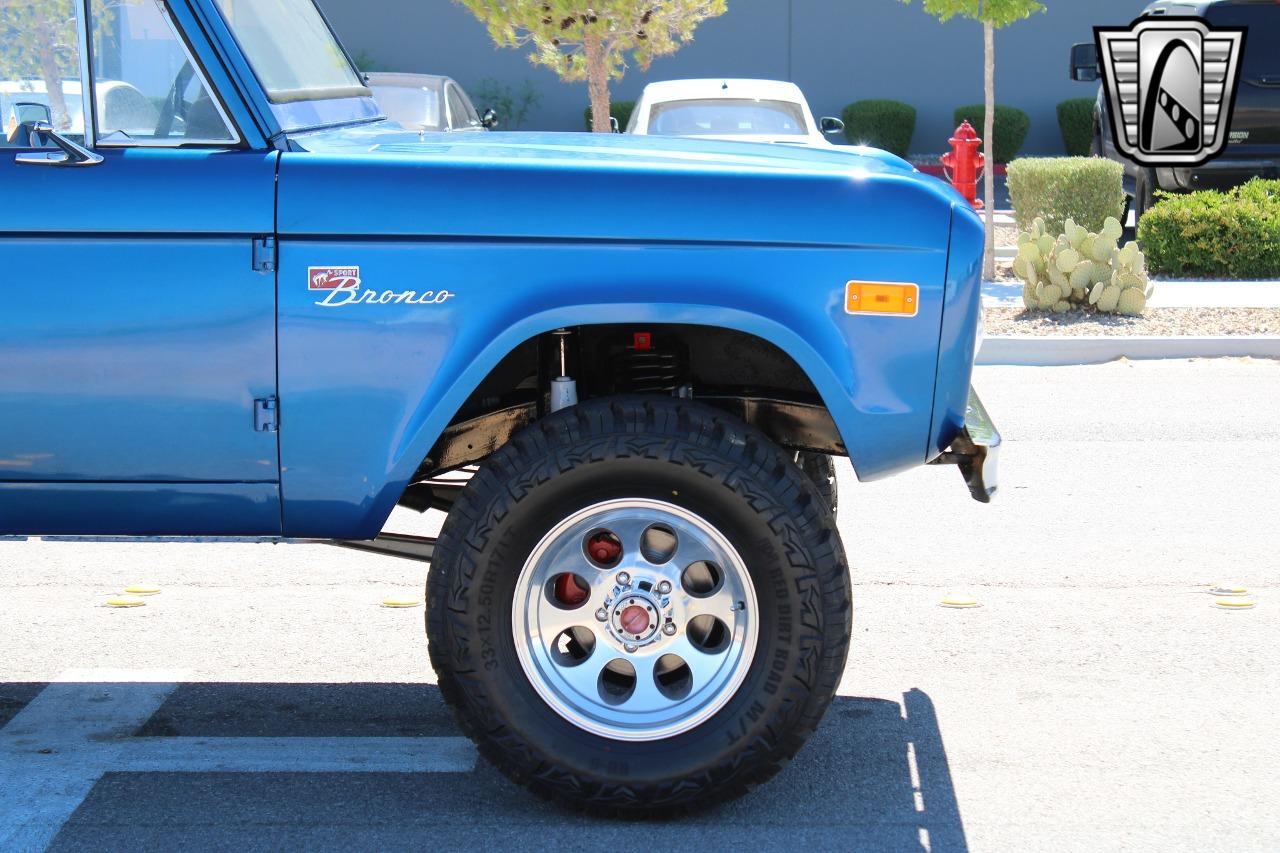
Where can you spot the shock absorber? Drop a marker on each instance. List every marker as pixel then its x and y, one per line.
pixel 564 391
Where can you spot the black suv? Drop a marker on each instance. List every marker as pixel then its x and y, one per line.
pixel 1253 140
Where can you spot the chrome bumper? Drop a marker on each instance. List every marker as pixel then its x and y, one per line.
pixel 976 451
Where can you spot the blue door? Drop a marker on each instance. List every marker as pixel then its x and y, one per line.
pixel 137 336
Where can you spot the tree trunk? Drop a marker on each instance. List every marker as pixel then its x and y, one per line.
pixel 988 139
pixel 598 84
pixel 45 39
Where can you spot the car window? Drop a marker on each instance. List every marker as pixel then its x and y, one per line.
pixel 726 117
pixel 458 116
pixel 148 88
pixel 634 121
pixel 415 107
pixel 1262 44
pixel 473 118
pixel 39 70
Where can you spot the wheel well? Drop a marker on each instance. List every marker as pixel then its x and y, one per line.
pixel 732 370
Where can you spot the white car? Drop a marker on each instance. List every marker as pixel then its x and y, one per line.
pixel 427 103
pixel 739 110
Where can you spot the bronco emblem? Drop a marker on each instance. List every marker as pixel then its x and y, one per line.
pixel 342 287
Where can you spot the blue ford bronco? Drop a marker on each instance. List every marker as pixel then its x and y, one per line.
pixel 239 303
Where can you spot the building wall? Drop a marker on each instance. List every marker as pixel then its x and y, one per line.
pixel 837 51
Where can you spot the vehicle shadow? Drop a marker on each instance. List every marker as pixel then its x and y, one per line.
pixel 873 777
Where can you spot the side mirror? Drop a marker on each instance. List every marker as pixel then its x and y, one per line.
pixel 69 153
pixel 613 123
pixel 1084 62
pixel 22 120
pixel 830 125
pixel 490 119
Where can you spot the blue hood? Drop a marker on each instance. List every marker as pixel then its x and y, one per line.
pixel 612 149
pixel 381 180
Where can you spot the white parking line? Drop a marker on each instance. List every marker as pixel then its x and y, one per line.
pixel 81 726
pixel 298 755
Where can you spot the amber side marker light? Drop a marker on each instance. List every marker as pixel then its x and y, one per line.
pixel 882 297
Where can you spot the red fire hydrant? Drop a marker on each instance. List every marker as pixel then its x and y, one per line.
pixel 964 163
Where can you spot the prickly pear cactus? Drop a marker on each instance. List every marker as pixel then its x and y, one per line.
pixel 1080 268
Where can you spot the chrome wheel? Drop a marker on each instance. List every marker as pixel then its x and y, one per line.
pixel 635 619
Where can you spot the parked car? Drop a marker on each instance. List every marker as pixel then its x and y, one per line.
pixel 1253 141
pixel 738 110
pixel 427 102
pixel 286 317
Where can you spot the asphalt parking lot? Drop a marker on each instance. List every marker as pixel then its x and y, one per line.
pixel 1096 701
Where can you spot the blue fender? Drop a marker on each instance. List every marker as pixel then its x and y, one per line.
pixel 455 252
pixel 362 404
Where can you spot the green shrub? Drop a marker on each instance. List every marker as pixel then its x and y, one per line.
pixel 1075 120
pixel 1081 268
pixel 1011 126
pixel 1233 234
pixel 882 124
pixel 621 110
pixel 1086 189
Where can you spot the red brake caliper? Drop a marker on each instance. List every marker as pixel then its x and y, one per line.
pixel 604 548
pixel 569 592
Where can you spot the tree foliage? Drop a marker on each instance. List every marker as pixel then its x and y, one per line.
pixel 38 41
pixel 997 13
pixel 594 41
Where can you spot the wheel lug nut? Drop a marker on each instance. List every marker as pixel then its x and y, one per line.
pixel 624 579
pixel 664 587
pixel 669 629
pixel 602 614
pixel 630 647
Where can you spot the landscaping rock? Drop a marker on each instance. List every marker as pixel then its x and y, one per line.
pixel 1157 321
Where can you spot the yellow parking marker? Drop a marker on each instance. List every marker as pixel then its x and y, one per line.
pixel 1235 603
pixel 959 601
pixel 1228 589
pixel 142 589
pixel 401 602
pixel 125 601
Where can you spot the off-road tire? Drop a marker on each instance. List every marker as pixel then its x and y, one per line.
pixel 708 463
pixel 821 469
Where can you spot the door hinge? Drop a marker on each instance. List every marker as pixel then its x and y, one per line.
pixel 264 254
pixel 266 414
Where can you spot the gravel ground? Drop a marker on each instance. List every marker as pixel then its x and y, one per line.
pixel 1006 235
pixel 1157 321
pixel 1004 271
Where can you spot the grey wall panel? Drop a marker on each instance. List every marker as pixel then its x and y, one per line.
pixel 837 50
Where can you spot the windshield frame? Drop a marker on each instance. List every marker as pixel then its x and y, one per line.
pixel 285 97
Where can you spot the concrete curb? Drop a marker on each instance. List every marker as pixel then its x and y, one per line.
pixel 1063 350
pixel 1169 294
